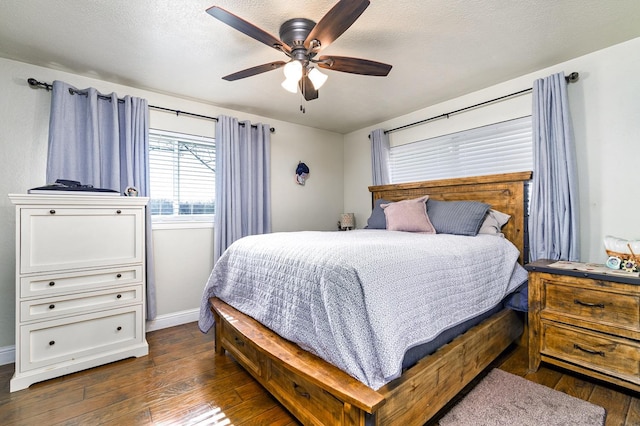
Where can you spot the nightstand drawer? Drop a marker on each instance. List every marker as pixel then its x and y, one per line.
pixel 597 351
pixel 592 305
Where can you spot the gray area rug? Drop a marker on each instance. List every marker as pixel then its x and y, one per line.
pixel 502 398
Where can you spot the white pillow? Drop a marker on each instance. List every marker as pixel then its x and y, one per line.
pixel 493 222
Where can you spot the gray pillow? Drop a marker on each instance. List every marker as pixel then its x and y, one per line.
pixel 377 220
pixel 456 217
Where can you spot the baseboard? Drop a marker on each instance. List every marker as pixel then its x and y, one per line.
pixel 173 319
pixel 7 355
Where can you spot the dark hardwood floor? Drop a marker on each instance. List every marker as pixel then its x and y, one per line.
pixel 181 382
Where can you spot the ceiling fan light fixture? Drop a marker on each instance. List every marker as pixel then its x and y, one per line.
pixel 290 85
pixel 293 70
pixel 301 40
pixel 317 78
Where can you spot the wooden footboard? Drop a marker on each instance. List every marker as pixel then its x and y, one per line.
pixel 317 393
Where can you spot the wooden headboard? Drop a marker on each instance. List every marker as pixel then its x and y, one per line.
pixel 503 192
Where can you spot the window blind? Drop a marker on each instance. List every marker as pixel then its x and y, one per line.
pixel 182 176
pixel 497 148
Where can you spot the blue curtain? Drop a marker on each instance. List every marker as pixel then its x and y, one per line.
pixel 553 219
pixel 380 157
pixel 243 193
pixel 103 141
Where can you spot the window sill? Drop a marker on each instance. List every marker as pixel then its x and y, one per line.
pixel 181 225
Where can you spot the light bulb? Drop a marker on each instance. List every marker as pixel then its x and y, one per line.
pixel 290 85
pixel 293 70
pixel 317 78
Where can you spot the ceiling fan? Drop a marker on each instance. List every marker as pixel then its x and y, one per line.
pixel 301 40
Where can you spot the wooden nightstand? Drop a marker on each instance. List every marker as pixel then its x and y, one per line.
pixel 585 322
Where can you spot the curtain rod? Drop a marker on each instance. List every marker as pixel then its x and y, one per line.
pixel 35 84
pixel 571 78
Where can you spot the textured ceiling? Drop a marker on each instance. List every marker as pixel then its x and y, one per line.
pixel 439 49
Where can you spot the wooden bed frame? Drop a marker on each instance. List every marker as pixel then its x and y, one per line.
pixel 317 393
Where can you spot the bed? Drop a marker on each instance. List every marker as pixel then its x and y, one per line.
pixel 317 392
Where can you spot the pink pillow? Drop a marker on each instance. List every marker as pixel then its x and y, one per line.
pixel 408 215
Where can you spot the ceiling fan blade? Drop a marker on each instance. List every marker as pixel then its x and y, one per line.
pixel 307 89
pixel 254 70
pixel 354 65
pixel 247 28
pixel 336 22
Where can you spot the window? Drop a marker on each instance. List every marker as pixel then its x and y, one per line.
pixel 497 148
pixel 182 176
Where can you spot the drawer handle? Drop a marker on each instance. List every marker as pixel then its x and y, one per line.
pixel 119 328
pixel 52 342
pixel 119 296
pixel 52 211
pixel 589 305
pixel 300 391
pixel 119 276
pixel 118 211
pixel 52 283
pixel 589 351
pixel 52 306
pixel 238 341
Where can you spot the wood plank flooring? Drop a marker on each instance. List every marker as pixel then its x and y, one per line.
pixel 181 382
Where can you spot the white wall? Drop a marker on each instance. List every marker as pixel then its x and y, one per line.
pixel 605 104
pixel 605 107
pixel 183 256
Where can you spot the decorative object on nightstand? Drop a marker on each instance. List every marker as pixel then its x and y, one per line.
pixel 623 254
pixel 80 283
pixel 585 320
pixel 347 221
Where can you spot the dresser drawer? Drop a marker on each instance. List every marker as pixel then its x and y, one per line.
pixel 241 348
pixel 52 307
pixel 593 305
pixel 601 352
pixel 54 284
pixel 310 403
pixel 52 342
pixel 58 238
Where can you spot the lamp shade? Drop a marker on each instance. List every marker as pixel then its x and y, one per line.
pixel 290 85
pixel 347 221
pixel 317 78
pixel 293 70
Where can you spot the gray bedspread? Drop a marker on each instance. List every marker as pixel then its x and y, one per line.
pixel 360 299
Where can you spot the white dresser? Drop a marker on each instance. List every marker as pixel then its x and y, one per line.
pixel 80 283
